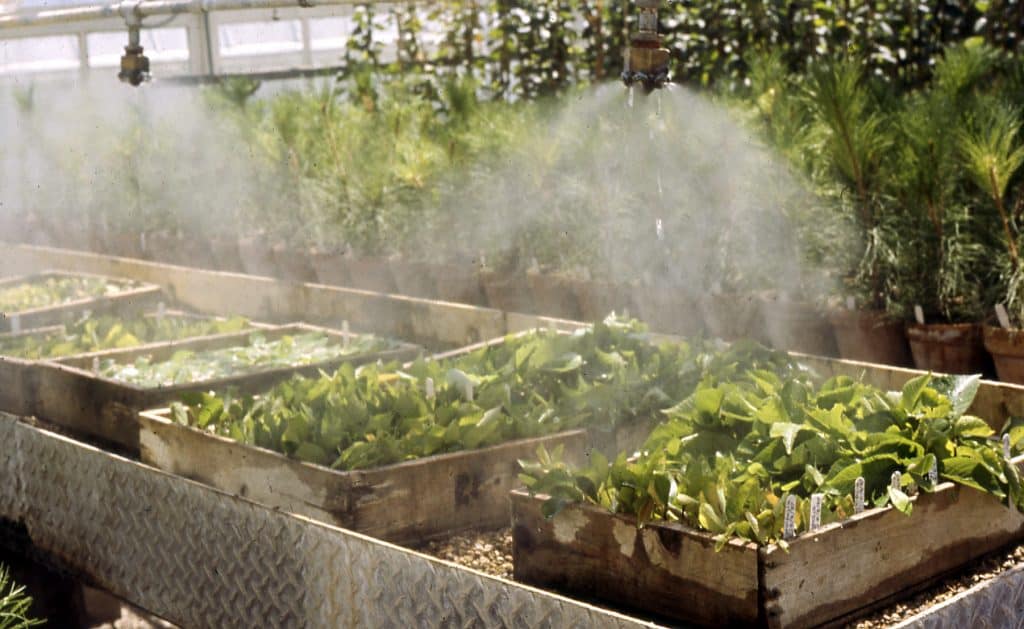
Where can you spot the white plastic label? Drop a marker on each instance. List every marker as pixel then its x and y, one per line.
pixel 15 322
pixel 933 474
pixel 345 333
pixel 659 229
pixel 161 311
pixel 428 386
pixel 919 314
pixel 894 480
pixel 815 512
pixel 1006 446
pixel 851 303
pixel 95 364
pixel 789 521
pixel 858 495
pixel 1003 316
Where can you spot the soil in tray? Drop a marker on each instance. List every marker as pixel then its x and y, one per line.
pixel 491 553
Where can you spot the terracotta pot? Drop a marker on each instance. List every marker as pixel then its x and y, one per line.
pixel 509 292
pixel 330 267
pixel 124 244
pixel 225 254
pixel 459 283
pixel 371 273
pixel 797 326
pixel 415 279
pixel 554 295
pixel 870 336
pixel 257 257
pixel 668 311
pixel 1007 349
pixel 731 316
pixel 599 299
pixel 163 247
pixel 293 264
pixel 948 347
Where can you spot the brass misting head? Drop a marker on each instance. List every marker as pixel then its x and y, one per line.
pixel 134 66
pixel 646 61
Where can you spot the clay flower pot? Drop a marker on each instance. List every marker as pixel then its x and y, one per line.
pixel 509 292
pixel 669 311
pixel 956 348
pixel 330 267
pixel 458 283
pixel 731 316
pixel 257 256
pixel 797 326
pixel 870 336
pixel 598 299
pixel 1007 349
pixel 554 295
pixel 415 279
pixel 371 273
pixel 293 264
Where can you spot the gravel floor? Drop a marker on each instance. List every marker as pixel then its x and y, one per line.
pixel 491 552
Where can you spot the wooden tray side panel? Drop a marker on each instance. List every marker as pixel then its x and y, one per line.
pixel 410 502
pixel 17 386
pixel 874 558
pixel 664 570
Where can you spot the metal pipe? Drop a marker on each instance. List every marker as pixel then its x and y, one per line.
pixel 151 8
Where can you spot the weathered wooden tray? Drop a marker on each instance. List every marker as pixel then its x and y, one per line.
pixel 134 299
pixel 18 376
pixel 826 577
pixel 70 395
pixel 404 503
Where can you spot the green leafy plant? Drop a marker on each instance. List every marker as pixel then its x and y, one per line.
pixel 93 334
pixel 14 604
pixel 994 152
pixel 731 453
pixel 55 291
pixel 529 385
pixel 255 355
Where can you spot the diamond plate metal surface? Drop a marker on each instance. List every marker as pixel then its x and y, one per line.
pixel 998 603
pixel 202 558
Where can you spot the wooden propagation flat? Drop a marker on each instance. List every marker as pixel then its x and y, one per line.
pixel 131 299
pixel 826 577
pixel 408 502
pixel 70 395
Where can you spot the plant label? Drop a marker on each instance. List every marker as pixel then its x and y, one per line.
pixel 919 314
pixel 345 333
pixel 815 512
pixel 851 303
pixel 468 390
pixel 161 311
pixel 789 519
pixel 933 474
pixel 858 495
pixel 96 365
pixel 1003 316
pixel 659 229
pixel 142 241
pixel 1006 446
pixel 428 386
pixel 894 480
pixel 15 322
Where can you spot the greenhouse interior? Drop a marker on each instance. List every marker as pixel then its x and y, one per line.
pixel 493 313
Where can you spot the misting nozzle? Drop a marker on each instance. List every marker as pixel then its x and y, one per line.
pixel 646 61
pixel 134 64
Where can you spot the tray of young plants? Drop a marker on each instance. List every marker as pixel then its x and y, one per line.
pixel 351 447
pixel 775 500
pixel 99 394
pixel 54 297
pixel 19 351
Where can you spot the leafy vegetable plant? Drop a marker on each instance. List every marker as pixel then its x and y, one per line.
pixel 92 334
pixel 731 453
pixel 54 291
pixel 14 604
pixel 529 385
pixel 256 355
